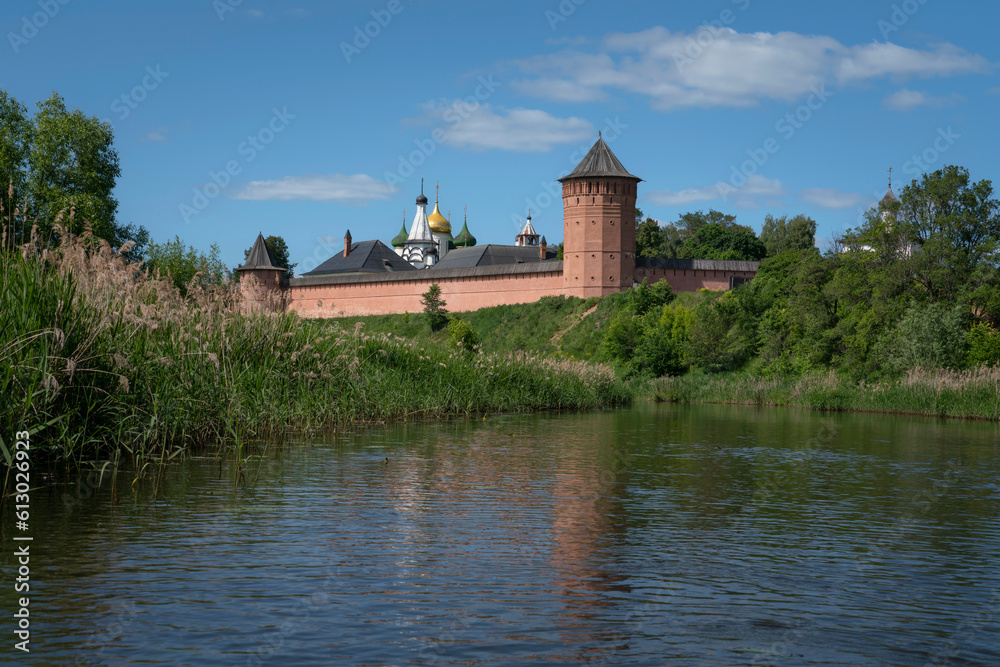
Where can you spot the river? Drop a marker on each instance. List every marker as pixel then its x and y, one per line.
pixel 657 534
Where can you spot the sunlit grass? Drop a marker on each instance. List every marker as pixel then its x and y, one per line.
pixel 102 359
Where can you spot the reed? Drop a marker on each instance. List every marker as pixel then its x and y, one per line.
pixel 100 358
pixel 973 393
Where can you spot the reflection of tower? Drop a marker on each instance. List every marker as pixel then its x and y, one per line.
pixel 419 249
pixel 440 227
pixel 598 225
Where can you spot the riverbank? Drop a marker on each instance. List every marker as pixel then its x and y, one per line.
pixel 106 362
pixel 969 394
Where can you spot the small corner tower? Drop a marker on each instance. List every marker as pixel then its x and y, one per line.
pixel 261 279
pixel 528 235
pixel 598 225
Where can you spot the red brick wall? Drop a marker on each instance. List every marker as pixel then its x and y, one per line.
pixel 689 280
pixel 463 293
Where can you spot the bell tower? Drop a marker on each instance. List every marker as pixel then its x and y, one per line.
pixel 598 225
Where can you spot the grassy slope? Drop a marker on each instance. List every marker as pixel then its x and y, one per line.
pixel 573 328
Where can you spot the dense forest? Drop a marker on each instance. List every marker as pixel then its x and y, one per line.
pixel 917 285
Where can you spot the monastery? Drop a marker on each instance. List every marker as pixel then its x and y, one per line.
pixel 370 278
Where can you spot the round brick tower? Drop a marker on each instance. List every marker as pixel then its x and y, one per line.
pixel 598 225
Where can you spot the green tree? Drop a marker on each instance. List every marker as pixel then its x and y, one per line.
pixel 15 144
pixel 955 223
pixel 715 241
pixel 434 307
pixel 649 239
pixel 781 234
pixel 183 264
pixel 690 223
pixel 279 251
pixel 62 162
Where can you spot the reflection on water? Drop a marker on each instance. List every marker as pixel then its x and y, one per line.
pixel 683 535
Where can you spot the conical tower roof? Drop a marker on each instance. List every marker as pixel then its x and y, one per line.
pixel 260 257
pixel 599 162
pixel 889 198
pixel 465 239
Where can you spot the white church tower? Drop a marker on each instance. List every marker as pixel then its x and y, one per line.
pixel 420 249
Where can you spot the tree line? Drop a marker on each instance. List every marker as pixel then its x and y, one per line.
pixel 916 285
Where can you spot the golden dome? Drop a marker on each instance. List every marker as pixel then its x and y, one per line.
pixel 439 224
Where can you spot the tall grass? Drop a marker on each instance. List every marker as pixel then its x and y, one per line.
pixel 973 393
pixel 100 358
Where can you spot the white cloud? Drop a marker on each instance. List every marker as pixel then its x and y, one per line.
pixel 995 90
pixel 358 189
pixel 483 127
pixel 745 197
pixel 830 199
pixel 158 135
pixel 721 67
pixel 905 100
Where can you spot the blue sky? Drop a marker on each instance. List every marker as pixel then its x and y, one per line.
pixel 304 119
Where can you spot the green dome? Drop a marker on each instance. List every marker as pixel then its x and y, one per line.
pixel 464 238
pixel 401 237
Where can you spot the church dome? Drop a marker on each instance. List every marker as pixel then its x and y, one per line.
pixel 439 224
pixel 401 237
pixel 465 239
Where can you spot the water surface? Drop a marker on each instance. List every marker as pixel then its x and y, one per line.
pixel 659 534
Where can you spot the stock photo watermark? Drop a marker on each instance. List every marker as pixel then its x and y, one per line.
pixel 21 462
pixel 248 149
pixel 128 102
pixel 898 17
pixel 786 126
pixel 550 191
pixel 363 35
pixel 706 35
pixel 30 26
pixel 456 114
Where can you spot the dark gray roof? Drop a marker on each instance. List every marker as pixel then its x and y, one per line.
pixel 365 257
pixel 697 264
pixel 600 161
pixel 490 255
pixel 423 275
pixel 889 198
pixel 260 257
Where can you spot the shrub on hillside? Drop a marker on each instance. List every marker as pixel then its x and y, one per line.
pixel 984 346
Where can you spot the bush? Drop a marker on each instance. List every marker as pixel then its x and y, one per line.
pixel 930 336
pixel 984 346
pixel 463 336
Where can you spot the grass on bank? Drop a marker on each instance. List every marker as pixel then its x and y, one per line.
pixel 100 359
pixel 973 393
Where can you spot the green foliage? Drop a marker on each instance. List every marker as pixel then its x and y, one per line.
pixel 434 307
pixel 183 264
pixel 463 336
pixel 984 345
pixel 781 234
pixel 279 251
pixel 714 241
pixel 60 167
pixel 101 361
pixel 928 336
pixel 649 240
